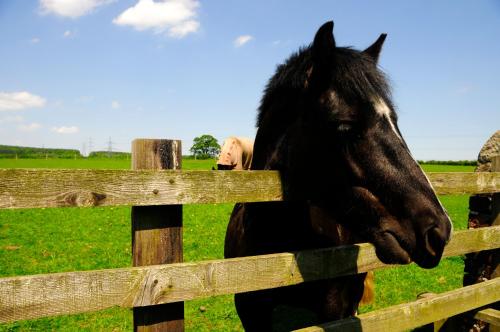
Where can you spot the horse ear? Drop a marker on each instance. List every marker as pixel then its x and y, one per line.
pixel 324 43
pixel 374 50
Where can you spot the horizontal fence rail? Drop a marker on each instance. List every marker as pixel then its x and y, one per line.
pixel 489 315
pixel 36 188
pixel 28 297
pixel 411 315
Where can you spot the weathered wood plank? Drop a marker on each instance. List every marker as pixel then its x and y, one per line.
pixel 495 217
pixel 28 188
pixel 157 233
pixel 29 297
pixel 410 315
pixel 490 316
pixel 465 183
pixel 32 188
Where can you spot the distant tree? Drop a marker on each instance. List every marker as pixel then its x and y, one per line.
pixel 204 147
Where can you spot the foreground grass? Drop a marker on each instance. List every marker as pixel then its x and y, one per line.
pixel 36 241
pixel 99 238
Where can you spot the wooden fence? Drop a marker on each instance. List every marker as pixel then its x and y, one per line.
pixel 159 282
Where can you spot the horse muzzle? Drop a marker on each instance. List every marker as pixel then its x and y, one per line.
pixel 432 246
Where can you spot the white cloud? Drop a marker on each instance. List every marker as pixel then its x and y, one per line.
pixel 14 101
pixel 68 34
pixel 183 29
pixel 65 130
pixel 35 40
pixel 115 105
pixel 242 40
pixel 71 8
pixel 178 17
pixel 29 127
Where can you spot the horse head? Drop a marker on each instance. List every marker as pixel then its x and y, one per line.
pixel 339 112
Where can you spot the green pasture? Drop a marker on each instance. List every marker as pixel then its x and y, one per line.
pixel 36 241
pixel 447 168
pixel 91 163
pixel 110 163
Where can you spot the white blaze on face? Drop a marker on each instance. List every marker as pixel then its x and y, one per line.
pixel 383 110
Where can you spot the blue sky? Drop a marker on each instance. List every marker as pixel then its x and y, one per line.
pixel 71 70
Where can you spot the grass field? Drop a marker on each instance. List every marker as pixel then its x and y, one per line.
pixel 447 168
pixel 186 164
pixel 92 163
pixel 68 239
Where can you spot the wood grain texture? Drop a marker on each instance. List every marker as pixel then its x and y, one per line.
pixel 32 188
pixel 410 315
pixel 157 233
pixel 465 183
pixel 495 220
pixel 29 297
pixel 156 154
pixel 490 316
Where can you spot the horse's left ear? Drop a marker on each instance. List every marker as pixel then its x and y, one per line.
pixel 374 50
pixel 323 45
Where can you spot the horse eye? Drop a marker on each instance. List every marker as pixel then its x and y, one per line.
pixel 344 127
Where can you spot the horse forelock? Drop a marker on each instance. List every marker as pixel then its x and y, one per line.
pixel 354 76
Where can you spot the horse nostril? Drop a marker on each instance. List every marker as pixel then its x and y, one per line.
pixel 434 241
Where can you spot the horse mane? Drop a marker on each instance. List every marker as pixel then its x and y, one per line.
pixel 355 76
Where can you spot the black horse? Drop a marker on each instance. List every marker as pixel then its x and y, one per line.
pixel 327 123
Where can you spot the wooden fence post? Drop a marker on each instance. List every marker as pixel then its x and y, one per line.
pixel 483 265
pixel 157 233
pixel 495 209
pixel 495 214
pixel 495 217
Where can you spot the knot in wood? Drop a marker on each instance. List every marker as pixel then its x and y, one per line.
pixel 82 198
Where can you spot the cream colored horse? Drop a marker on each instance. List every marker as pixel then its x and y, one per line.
pixel 236 154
